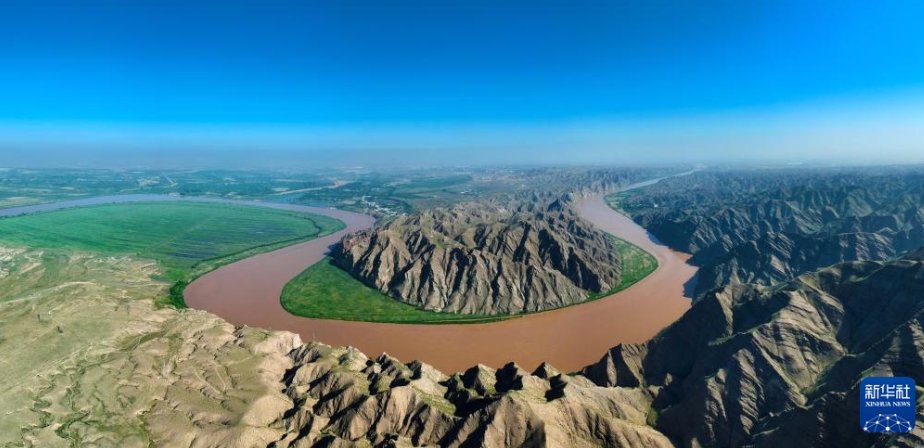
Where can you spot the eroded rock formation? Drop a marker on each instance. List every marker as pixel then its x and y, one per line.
pixel 484 258
pixel 751 365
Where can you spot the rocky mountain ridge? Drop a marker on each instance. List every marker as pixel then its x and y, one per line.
pixel 777 257
pixel 768 226
pixel 339 397
pixel 751 365
pixel 484 258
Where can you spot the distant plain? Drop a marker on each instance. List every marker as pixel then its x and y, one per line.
pixel 186 239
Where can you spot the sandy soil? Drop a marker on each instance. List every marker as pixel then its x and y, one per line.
pixel 247 293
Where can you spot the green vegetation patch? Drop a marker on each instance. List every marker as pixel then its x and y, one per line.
pixel 636 264
pixel 187 239
pixel 619 202
pixel 324 291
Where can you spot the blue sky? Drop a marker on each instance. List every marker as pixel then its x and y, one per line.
pixel 609 80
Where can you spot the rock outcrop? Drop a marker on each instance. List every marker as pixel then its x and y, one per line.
pixel 777 257
pixel 340 398
pixel 750 365
pixel 726 208
pixel 484 258
pixel 768 226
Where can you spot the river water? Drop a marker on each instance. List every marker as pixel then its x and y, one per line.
pixel 247 293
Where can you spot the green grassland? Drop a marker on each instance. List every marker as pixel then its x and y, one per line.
pixel 617 201
pixel 635 264
pixel 187 239
pixel 324 291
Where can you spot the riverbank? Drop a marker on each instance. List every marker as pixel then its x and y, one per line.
pixel 247 293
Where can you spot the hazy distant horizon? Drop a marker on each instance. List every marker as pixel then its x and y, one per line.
pixel 307 161
pixel 886 129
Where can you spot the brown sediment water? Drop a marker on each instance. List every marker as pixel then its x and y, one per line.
pixel 248 293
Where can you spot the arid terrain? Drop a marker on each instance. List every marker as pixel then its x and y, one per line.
pixel 187 378
pixel 484 259
pixel 800 306
pixel 766 226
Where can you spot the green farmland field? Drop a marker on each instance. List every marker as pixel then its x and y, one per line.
pixel 187 239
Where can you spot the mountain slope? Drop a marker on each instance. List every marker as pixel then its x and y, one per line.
pixel 340 397
pixel 777 257
pixel 768 226
pixel 752 365
pixel 713 219
pixel 484 258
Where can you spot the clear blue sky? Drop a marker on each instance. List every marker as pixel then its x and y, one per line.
pixel 345 68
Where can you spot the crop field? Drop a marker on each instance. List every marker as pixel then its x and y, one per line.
pixel 186 239
pixel 325 291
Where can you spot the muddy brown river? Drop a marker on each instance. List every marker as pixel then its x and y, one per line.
pixel 247 293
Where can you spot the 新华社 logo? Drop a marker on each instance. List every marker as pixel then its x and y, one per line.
pixel 887 404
